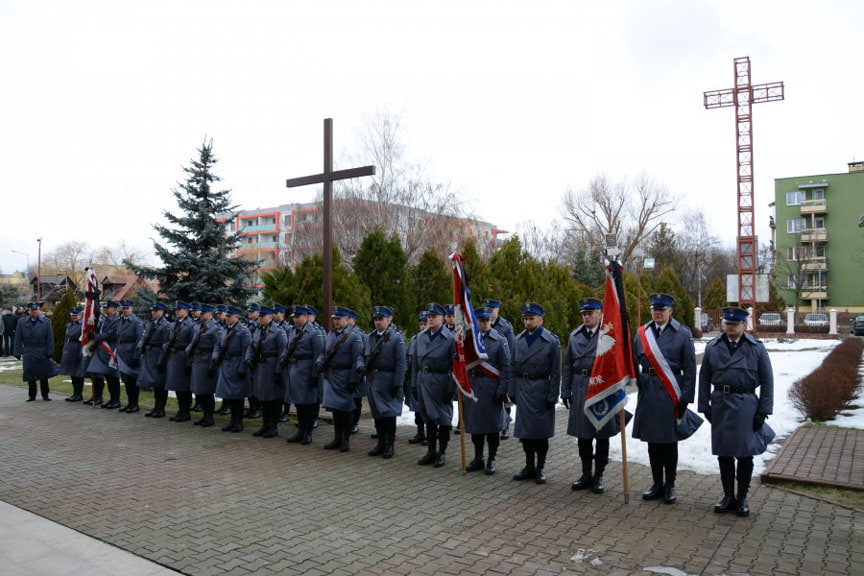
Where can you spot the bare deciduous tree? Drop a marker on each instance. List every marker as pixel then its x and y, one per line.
pixel 696 244
pixel 399 199
pixel 631 212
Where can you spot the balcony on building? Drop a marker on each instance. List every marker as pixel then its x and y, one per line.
pixel 815 264
pixel 814 235
pixel 814 292
pixel 818 206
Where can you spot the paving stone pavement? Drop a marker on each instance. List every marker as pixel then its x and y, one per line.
pixel 203 502
pixel 821 455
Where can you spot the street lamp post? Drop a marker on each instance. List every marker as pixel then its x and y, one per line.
pixel 39 272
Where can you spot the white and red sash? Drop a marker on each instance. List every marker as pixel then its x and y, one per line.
pixel 661 367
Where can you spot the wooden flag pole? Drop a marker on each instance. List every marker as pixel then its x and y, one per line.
pixel 462 431
pixel 623 422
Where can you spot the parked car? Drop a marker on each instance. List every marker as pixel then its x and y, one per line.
pixel 858 326
pixel 771 319
pixel 815 319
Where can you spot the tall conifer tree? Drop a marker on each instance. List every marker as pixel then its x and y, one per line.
pixel 197 261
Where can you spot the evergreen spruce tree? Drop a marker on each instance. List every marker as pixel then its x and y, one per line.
pixel 432 281
pixel 197 261
pixel 59 319
pixel 382 266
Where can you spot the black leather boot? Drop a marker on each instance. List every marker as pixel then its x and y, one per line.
pixel 432 433
pixel 597 486
pixel 529 471
pixel 743 508
pixel 727 479
pixel 443 439
pixel 378 450
pixel 656 490
pixel 586 480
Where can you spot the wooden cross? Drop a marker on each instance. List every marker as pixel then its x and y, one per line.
pixel 327 178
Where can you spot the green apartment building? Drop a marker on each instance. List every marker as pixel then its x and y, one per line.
pixel 818 234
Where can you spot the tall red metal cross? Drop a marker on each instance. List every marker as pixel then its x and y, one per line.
pixel 327 178
pixel 742 97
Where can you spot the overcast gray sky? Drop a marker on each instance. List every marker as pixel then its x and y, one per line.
pixel 102 103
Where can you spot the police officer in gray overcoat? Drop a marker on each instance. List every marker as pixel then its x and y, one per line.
pixel 151 374
pixel 411 399
pixel 71 359
pixel 362 385
pixel 534 388
pixel 343 347
pixel 279 321
pixel 433 383
pixel 233 383
pixel 177 369
pixel 384 363
pixel 657 415
pixel 505 328
pixel 34 344
pixel 578 361
pixel 736 395
pixel 304 379
pixel 129 330
pixel 265 357
pixel 101 364
pixel 202 353
pixel 484 418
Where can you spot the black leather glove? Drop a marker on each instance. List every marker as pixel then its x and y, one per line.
pixel 394 390
pixel 352 387
pixel 17 356
pixel 160 366
pixel 313 383
pixel 361 370
pixel 566 402
pixel 135 362
pixel 241 372
pixel 448 396
pixel 682 406
pixel 550 405
pixel 759 420
pixel 707 415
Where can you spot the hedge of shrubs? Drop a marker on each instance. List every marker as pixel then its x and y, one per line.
pixel 831 387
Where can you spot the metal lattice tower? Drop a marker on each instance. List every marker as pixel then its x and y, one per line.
pixel 742 97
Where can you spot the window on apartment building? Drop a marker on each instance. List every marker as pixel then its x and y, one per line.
pixel 794 198
pixel 792 282
pixel 792 253
pixel 795 225
pixel 819 222
pixel 819 194
pixel 820 251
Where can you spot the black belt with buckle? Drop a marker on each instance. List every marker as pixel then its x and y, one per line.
pixel 732 389
pixel 434 370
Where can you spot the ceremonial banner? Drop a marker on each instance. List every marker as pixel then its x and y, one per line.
pixel 470 352
pixel 91 314
pixel 613 363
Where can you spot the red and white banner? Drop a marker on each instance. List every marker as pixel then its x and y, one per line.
pixel 470 352
pixel 613 362
pixel 91 313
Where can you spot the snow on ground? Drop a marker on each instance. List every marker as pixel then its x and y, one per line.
pixel 791 360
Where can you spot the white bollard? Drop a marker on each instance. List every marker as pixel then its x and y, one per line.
pixel 832 322
pixel 790 321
